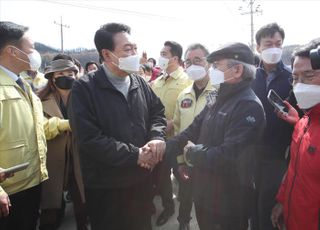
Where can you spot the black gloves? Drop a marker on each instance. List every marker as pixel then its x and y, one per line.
pixel 196 155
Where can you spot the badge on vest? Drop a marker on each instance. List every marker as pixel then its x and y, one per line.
pixel 186 103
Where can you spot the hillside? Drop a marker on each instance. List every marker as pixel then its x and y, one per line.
pixel 83 55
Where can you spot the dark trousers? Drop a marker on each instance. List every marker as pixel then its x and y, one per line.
pixel 79 207
pixel 50 219
pixel 120 208
pixel 268 179
pixel 185 198
pixel 207 221
pixel 24 210
pixel 162 181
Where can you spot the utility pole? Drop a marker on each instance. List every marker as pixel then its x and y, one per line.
pixel 0 9
pixel 61 31
pixel 253 10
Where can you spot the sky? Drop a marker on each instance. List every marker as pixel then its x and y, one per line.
pixel 212 23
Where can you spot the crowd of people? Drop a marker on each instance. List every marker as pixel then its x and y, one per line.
pixel 112 134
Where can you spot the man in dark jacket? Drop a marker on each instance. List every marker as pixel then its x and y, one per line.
pixel 119 126
pixel 271 162
pixel 224 134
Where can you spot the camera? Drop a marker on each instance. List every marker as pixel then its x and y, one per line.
pixel 315 58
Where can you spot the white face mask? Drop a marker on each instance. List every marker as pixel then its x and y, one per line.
pixel 196 72
pixel 130 64
pixel 216 76
pixel 271 55
pixel 163 62
pixel 34 59
pixel 307 95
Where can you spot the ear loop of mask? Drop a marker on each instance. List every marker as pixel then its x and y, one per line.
pixel 117 65
pixel 229 79
pixel 23 53
pixel 225 80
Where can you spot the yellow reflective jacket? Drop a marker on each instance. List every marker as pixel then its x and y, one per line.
pixel 168 91
pixel 22 136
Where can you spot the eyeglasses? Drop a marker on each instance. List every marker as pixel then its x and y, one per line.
pixel 305 77
pixel 195 61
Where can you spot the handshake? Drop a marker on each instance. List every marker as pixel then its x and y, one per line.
pixel 151 154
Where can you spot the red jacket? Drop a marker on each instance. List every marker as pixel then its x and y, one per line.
pixel 300 190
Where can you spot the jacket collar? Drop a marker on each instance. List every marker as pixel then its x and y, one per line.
pixel 51 107
pixel 209 87
pixel 228 90
pixel 175 74
pixel 279 68
pixel 102 80
pixel 314 110
pixel 5 79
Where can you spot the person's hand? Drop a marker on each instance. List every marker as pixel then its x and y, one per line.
pixel 277 216
pixel 144 58
pixel 183 171
pixel 4 205
pixel 158 148
pixel 4 176
pixel 292 117
pixel 146 158
pixel 187 146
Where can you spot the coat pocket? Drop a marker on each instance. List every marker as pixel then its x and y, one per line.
pixel 12 153
pixel 9 93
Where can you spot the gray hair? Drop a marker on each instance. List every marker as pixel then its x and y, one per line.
pixel 196 46
pixel 249 71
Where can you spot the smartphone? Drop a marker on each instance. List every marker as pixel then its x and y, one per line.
pixel 277 102
pixel 16 168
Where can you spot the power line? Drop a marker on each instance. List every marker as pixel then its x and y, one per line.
pixel 61 31
pixel 101 8
pixel 251 11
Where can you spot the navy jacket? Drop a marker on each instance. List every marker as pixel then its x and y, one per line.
pixel 277 135
pixel 109 129
pixel 228 131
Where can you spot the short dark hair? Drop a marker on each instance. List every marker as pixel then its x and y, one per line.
pixel 268 31
pixel 63 56
pixel 90 63
pixel 153 61
pixel 175 48
pixel 304 51
pixel 103 38
pixel 197 46
pixel 11 33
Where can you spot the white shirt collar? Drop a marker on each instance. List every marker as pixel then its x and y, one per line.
pixel 10 73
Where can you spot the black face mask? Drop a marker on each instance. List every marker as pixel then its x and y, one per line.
pixel 64 82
